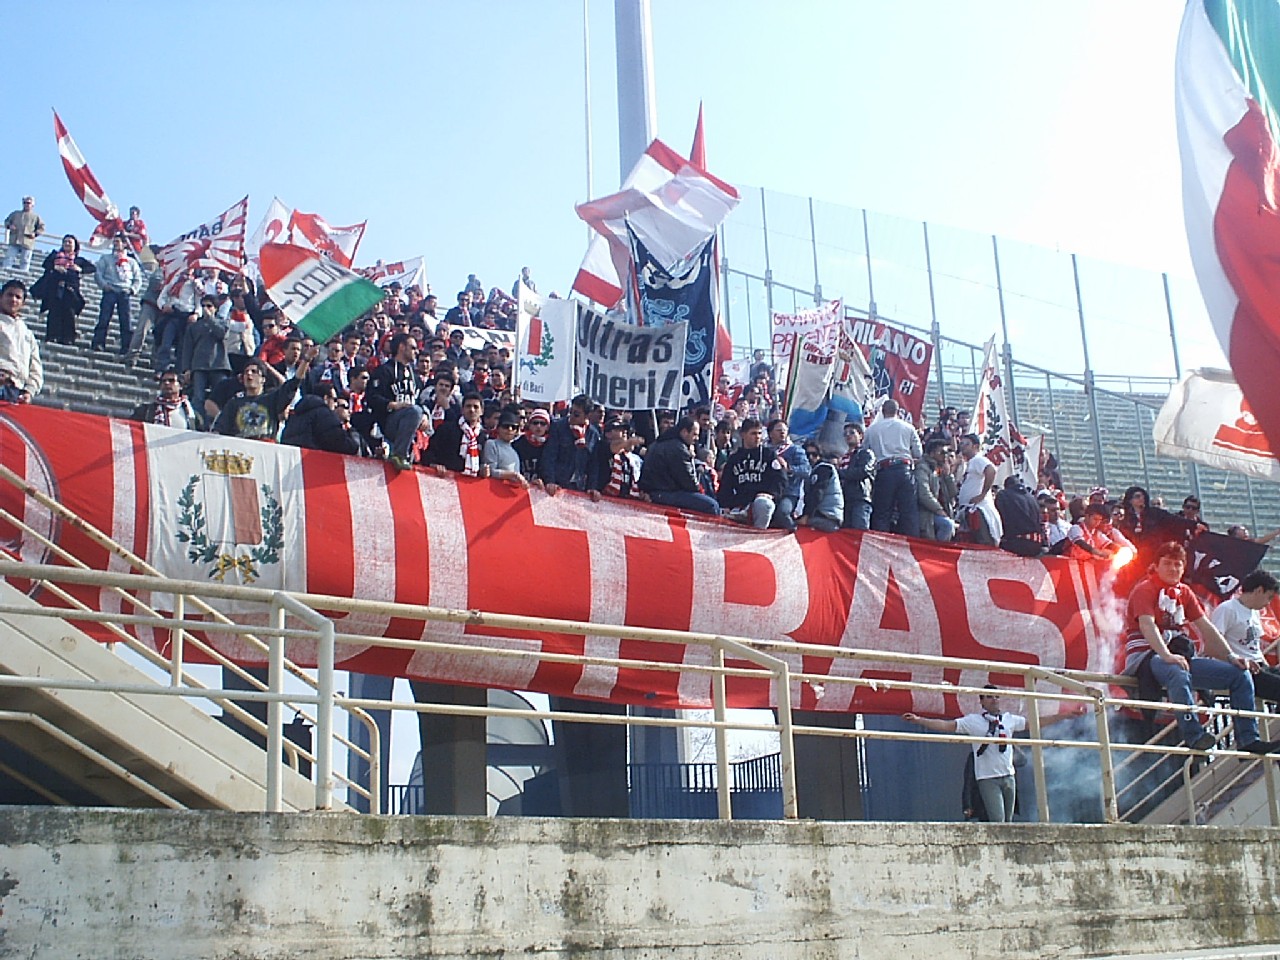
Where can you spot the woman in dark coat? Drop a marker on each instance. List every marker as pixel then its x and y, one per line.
pixel 1145 526
pixel 58 291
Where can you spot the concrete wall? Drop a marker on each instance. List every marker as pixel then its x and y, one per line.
pixel 131 885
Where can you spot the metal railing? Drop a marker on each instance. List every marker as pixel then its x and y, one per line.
pixel 1079 693
pixel 178 631
pixel 194 621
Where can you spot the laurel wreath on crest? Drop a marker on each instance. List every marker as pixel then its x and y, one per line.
pixel 192 530
pixel 544 347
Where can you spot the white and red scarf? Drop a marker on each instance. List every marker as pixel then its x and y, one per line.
pixel 469 449
pixel 166 408
pixel 622 476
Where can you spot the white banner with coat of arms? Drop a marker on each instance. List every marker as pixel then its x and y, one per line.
pixel 544 347
pixel 226 510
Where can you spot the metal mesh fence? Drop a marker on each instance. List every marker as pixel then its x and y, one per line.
pixel 1094 346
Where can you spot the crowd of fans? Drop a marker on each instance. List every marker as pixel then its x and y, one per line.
pixel 400 383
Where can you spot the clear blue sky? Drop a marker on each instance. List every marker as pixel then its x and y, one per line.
pixel 456 128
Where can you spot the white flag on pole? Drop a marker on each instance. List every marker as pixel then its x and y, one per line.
pixel 1207 419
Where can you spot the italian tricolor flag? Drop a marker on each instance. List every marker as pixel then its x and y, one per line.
pixel 318 295
pixel 1227 85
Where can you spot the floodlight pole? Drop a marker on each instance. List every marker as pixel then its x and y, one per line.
pixel 637 105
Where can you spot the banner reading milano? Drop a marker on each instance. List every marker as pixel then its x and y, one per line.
pixel 899 363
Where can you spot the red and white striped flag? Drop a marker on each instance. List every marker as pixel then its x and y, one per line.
pixel 87 188
pixel 724 342
pixel 673 207
pixel 217 245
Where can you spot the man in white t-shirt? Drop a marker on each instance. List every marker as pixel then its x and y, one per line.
pixel 976 493
pixel 1239 621
pixel 992 763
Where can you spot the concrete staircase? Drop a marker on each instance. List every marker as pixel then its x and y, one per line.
pixel 75 377
pixel 92 748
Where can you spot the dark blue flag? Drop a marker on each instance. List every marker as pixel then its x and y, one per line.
pixel 685 292
pixel 1219 562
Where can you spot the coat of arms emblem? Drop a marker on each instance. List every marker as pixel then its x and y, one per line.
pixel 230 523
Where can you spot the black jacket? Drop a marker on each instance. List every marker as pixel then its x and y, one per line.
pixel 668 466
pixel 64 288
pixel 391 381
pixel 313 425
pixel 857 476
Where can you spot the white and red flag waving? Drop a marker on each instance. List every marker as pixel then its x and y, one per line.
pixel 218 245
pixel 673 207
pixel 1227 87
pixel 1207 419
pixel 87 187
pixel 337 243
pixel 408 273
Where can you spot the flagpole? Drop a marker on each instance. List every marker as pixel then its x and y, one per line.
pixel 586 95
pixel 1177 371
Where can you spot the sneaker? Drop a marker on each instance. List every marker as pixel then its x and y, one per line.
pixel 1262 746
pixel 1205 741
pixel 400 463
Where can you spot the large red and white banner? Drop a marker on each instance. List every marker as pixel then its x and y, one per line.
pixel 899 362
pixel 204 507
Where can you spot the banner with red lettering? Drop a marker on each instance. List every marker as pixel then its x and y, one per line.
pixel 899 362
pixel 203 507
pixel 407 273
pixel 820 325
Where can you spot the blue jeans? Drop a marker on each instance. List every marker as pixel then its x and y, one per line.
pixel 895 486
pixel 1208 674
pixel 18 258
pixel 169 330
pixel 202 381
pixel 858 515
pixel 400 428
pixel 685 500
pixel 944 528
pixel 782 513
pixel 118 301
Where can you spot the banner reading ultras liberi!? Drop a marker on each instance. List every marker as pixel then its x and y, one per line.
pixel 627 367
pixel 322 523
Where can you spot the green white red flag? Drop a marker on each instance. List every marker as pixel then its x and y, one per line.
pixel 318 295
pixel 1227 87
